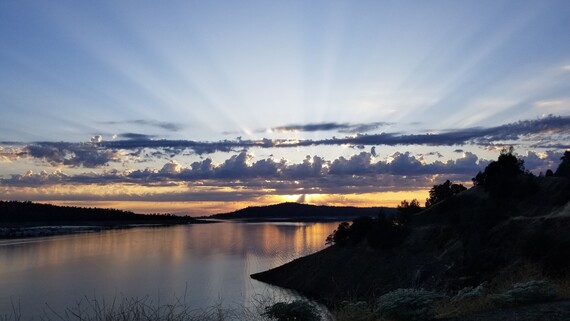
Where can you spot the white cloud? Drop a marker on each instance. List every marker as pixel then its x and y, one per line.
pixel 96 139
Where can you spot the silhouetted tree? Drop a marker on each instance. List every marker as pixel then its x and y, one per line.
pixel 498 176
pixel 406 209
pixel 443 191
pixel 549 173
pixel 563 169
pixel 382 232
pixel 340 235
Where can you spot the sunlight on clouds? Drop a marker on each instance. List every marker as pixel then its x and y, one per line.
pixel 388 199
pixel 553 106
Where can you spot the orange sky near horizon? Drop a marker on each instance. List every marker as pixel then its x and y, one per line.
pixel 197 208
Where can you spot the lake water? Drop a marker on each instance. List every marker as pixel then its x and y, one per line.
pixel 206 263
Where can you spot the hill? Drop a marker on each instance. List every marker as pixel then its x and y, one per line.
pixel 301 212
pixel 475 237
pixel 27 219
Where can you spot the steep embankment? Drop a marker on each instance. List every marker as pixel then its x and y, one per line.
pixel 471 238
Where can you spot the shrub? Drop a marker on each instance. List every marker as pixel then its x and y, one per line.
pixel 378 233
pixel 470 293
pixel 297 310
pixel 408 305
pixel 355 311
pixel 467 301
pixel 527 292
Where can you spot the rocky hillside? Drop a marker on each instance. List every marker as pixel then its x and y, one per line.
pixel 484 234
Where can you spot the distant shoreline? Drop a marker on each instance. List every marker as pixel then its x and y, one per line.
pixel 42 229
pixel 28 219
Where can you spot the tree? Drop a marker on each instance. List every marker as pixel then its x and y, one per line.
pixel 406 209
pixel 340 235
pixel 503 169
pixel 439 193
pixel 563 169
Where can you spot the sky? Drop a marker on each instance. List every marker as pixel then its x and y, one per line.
pixel 201 107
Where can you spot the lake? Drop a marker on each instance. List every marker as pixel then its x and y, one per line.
pixel 205 263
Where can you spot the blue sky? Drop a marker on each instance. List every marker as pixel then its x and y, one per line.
pixel 203 106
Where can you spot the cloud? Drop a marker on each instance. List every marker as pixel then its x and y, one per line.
pixel 373 151
pixel 547 132
pixel 340 127
pixel 9 153
pixel 35 179
pixel 241 177
pixel 357 170
pixel 135 136
pixel 547 126
pixel 541 162
pixel 72 154
pixel 173 127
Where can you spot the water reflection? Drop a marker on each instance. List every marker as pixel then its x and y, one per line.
pixel 209 262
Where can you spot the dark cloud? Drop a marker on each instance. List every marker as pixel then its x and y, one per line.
pixel 135 136
pixel 373 151
pixel 358 169
pixel 173 127
pixel 545 130
pixel 541 162
pixel 247 178
pixel 72 154
pixel 341 127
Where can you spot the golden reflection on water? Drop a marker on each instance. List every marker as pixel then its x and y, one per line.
pixel 213 260
pixel 170 245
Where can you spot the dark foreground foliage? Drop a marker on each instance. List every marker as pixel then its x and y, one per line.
pixel 442 192
pixel 381 232
pixel 294 311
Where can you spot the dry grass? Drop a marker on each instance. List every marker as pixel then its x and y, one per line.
pixel 562 286
pixel 145 309
pixel 355 311
pixel 464 308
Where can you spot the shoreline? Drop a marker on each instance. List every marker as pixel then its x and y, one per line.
pixel 42 229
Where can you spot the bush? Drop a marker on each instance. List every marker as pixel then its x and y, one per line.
pixel 527 292
pixel 408 305
pixel 470 293
pixel 297 310
pixel 355 311
pixel 381 232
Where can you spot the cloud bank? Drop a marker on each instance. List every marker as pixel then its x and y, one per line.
pixel 549 132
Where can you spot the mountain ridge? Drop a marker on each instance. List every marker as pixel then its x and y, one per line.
pixel 291 211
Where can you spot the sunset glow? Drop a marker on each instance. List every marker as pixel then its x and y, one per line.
pixel 201 107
